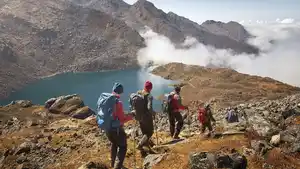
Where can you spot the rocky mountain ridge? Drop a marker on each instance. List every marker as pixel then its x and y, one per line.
pixel 227 87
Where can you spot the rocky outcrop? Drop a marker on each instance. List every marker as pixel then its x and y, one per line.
pixel 71 105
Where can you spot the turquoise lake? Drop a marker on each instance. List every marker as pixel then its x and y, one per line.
pixel 90 85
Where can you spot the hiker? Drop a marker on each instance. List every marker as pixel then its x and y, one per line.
pixel 141 104
pixel 174 113
pixel 232 115
pixel 111 119
pixel 205 117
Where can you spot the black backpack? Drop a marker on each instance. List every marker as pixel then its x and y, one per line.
pixel 167 103
pixel 138 103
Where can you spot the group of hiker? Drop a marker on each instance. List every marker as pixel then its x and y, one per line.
pixel 111 117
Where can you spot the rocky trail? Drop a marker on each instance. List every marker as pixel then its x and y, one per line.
pixel 62 134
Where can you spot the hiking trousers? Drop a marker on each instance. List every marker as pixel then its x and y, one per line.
pixel 147 131
pixel 206 125
pixel 175 128
pixel 118 140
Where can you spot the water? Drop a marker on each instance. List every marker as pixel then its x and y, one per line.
pixel 90 85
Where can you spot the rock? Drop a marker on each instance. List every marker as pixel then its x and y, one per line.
pixel 262 126
pixel 32 122
pixel 223 161
pixel 50 102
pixel 55 107
pixel 21 159
pixel 22 103
pixel 275 140
pixel 199 161
pixel 82 113
pixel 93 165
pixel 152 160
pixel 24 148
pixel 248 152
pixel 295 147
pixel 26 165
pixel 260 146
pixel 65 104
pixel 238 161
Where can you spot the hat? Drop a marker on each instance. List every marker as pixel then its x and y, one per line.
pixel 118 88
pixel 148 85
pixel 177 89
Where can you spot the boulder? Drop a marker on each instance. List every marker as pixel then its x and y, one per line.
pixel 262 126
pixel 64 104
pixel 260 146
pixel 24 148
pixel 22 103
pixel 152 160
pixel 200 161
pixel 82 113
pixel 50 102
pixel 204 160
pixel 275 140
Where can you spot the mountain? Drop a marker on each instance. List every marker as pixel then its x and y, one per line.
pixel 177 28
pixel 231 29
pixel 46 37
pixel 40 38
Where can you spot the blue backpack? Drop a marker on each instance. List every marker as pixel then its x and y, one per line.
pixel 105 108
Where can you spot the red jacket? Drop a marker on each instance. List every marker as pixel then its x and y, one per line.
pixel 119 113
pixel 176 103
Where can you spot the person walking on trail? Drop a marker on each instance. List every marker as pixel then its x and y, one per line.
pixel 205 117
pixel 147 115
pixel 111 118
pixel 232 115
pixel 174 114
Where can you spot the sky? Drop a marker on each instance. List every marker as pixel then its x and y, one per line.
pixel 227 10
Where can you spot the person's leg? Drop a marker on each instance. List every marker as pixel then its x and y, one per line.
pixel 203 127
pixel 122 144
pixel 179 124
pixel 144 139
pixel 112 137
pixel 172 123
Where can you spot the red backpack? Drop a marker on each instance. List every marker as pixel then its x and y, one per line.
pixel 202 115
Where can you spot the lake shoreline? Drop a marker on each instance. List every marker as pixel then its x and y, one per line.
pixel 87 84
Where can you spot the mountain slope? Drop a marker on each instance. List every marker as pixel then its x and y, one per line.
pixel 177 28
pixel 231 29
pixel 47 37
pixel 227 87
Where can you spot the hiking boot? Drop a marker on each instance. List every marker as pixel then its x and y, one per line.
pixel 176 137
pixel 151 144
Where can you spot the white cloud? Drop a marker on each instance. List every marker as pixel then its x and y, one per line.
pixel 288 20
pixel 279 41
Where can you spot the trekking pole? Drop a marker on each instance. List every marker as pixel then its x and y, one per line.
pixel 134 154
pixel 189 122
pixel 155 126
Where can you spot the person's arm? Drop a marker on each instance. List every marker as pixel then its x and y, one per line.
pixel 120 113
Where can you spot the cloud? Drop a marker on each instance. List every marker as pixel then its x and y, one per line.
pixel 279 41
